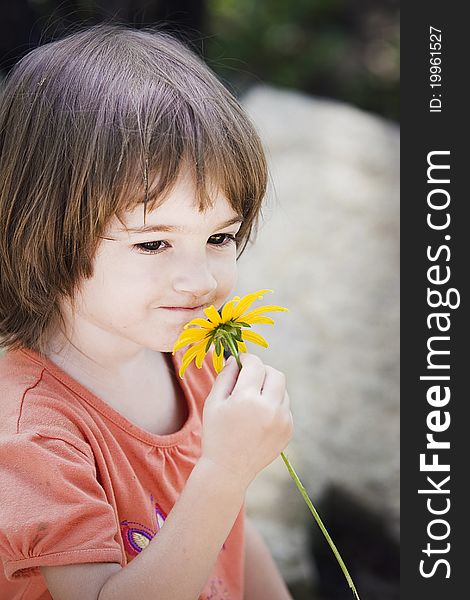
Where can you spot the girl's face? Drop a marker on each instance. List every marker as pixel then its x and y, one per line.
pixel 149 281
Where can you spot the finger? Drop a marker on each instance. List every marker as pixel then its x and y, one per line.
pixel 225 380
pixel 251 375
pixel 286 406
pixel 286 401
pixel 274 384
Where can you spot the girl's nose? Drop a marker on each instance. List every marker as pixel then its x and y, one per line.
pixel 194 277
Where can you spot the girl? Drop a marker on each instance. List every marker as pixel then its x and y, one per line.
pixel 130 180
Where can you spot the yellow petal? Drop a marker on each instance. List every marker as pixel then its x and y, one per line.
pixel 251 336
pixel 246 302
pixel 258 319
pixel 200 356
pixel 227 311
pixel 241 346
pixel 189 355
pixel 193 334
pixel 218 360
pixel 189 337
pixel 212 315
pixel 185 364
pixel 200 323
pixel 246 318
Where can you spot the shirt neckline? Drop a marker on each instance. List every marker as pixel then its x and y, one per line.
pixel 164 441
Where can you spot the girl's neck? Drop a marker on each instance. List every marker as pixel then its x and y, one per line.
pixel 144 389
pixel 107 369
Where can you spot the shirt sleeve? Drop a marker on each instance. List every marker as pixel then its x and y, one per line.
pixel 53 511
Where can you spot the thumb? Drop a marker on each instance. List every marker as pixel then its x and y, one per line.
pixel 226 380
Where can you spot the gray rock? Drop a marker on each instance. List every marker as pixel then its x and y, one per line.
pixel 328 246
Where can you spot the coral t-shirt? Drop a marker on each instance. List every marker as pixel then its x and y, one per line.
pixel 80 483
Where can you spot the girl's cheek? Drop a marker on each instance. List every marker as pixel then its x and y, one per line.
pixel 228 280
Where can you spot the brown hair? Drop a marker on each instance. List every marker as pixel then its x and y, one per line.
pixel 91 125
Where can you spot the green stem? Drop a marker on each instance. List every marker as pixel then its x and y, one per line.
pixel 314 512
pixel 303 492
pixel 233 349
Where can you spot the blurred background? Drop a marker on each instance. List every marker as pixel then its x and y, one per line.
pixel 344 49
pixel 320 80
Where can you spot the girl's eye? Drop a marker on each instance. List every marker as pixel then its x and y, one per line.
pixel 221 239
pixel 150 247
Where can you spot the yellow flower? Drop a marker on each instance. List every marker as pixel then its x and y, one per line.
pixel 224 330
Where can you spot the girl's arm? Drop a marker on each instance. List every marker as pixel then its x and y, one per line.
pixel 178 561
pixel 246 424
pixel 262 578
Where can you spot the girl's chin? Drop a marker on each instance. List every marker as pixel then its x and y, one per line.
pixel 163 346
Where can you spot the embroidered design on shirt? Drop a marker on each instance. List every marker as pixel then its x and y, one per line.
pixel 217 590
pixel 137 536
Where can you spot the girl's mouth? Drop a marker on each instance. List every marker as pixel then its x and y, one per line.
pixel 183 308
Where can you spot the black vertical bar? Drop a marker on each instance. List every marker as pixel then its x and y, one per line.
pixel 434 120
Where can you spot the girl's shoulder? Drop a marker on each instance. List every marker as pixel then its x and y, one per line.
pixel 48 477
pixel 33 401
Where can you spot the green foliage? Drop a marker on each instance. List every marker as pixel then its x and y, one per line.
pixel 332 48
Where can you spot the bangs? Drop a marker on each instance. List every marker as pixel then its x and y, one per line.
pixel 158 110
pixel 156 146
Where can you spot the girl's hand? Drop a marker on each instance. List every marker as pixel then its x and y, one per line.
pixel 246 420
